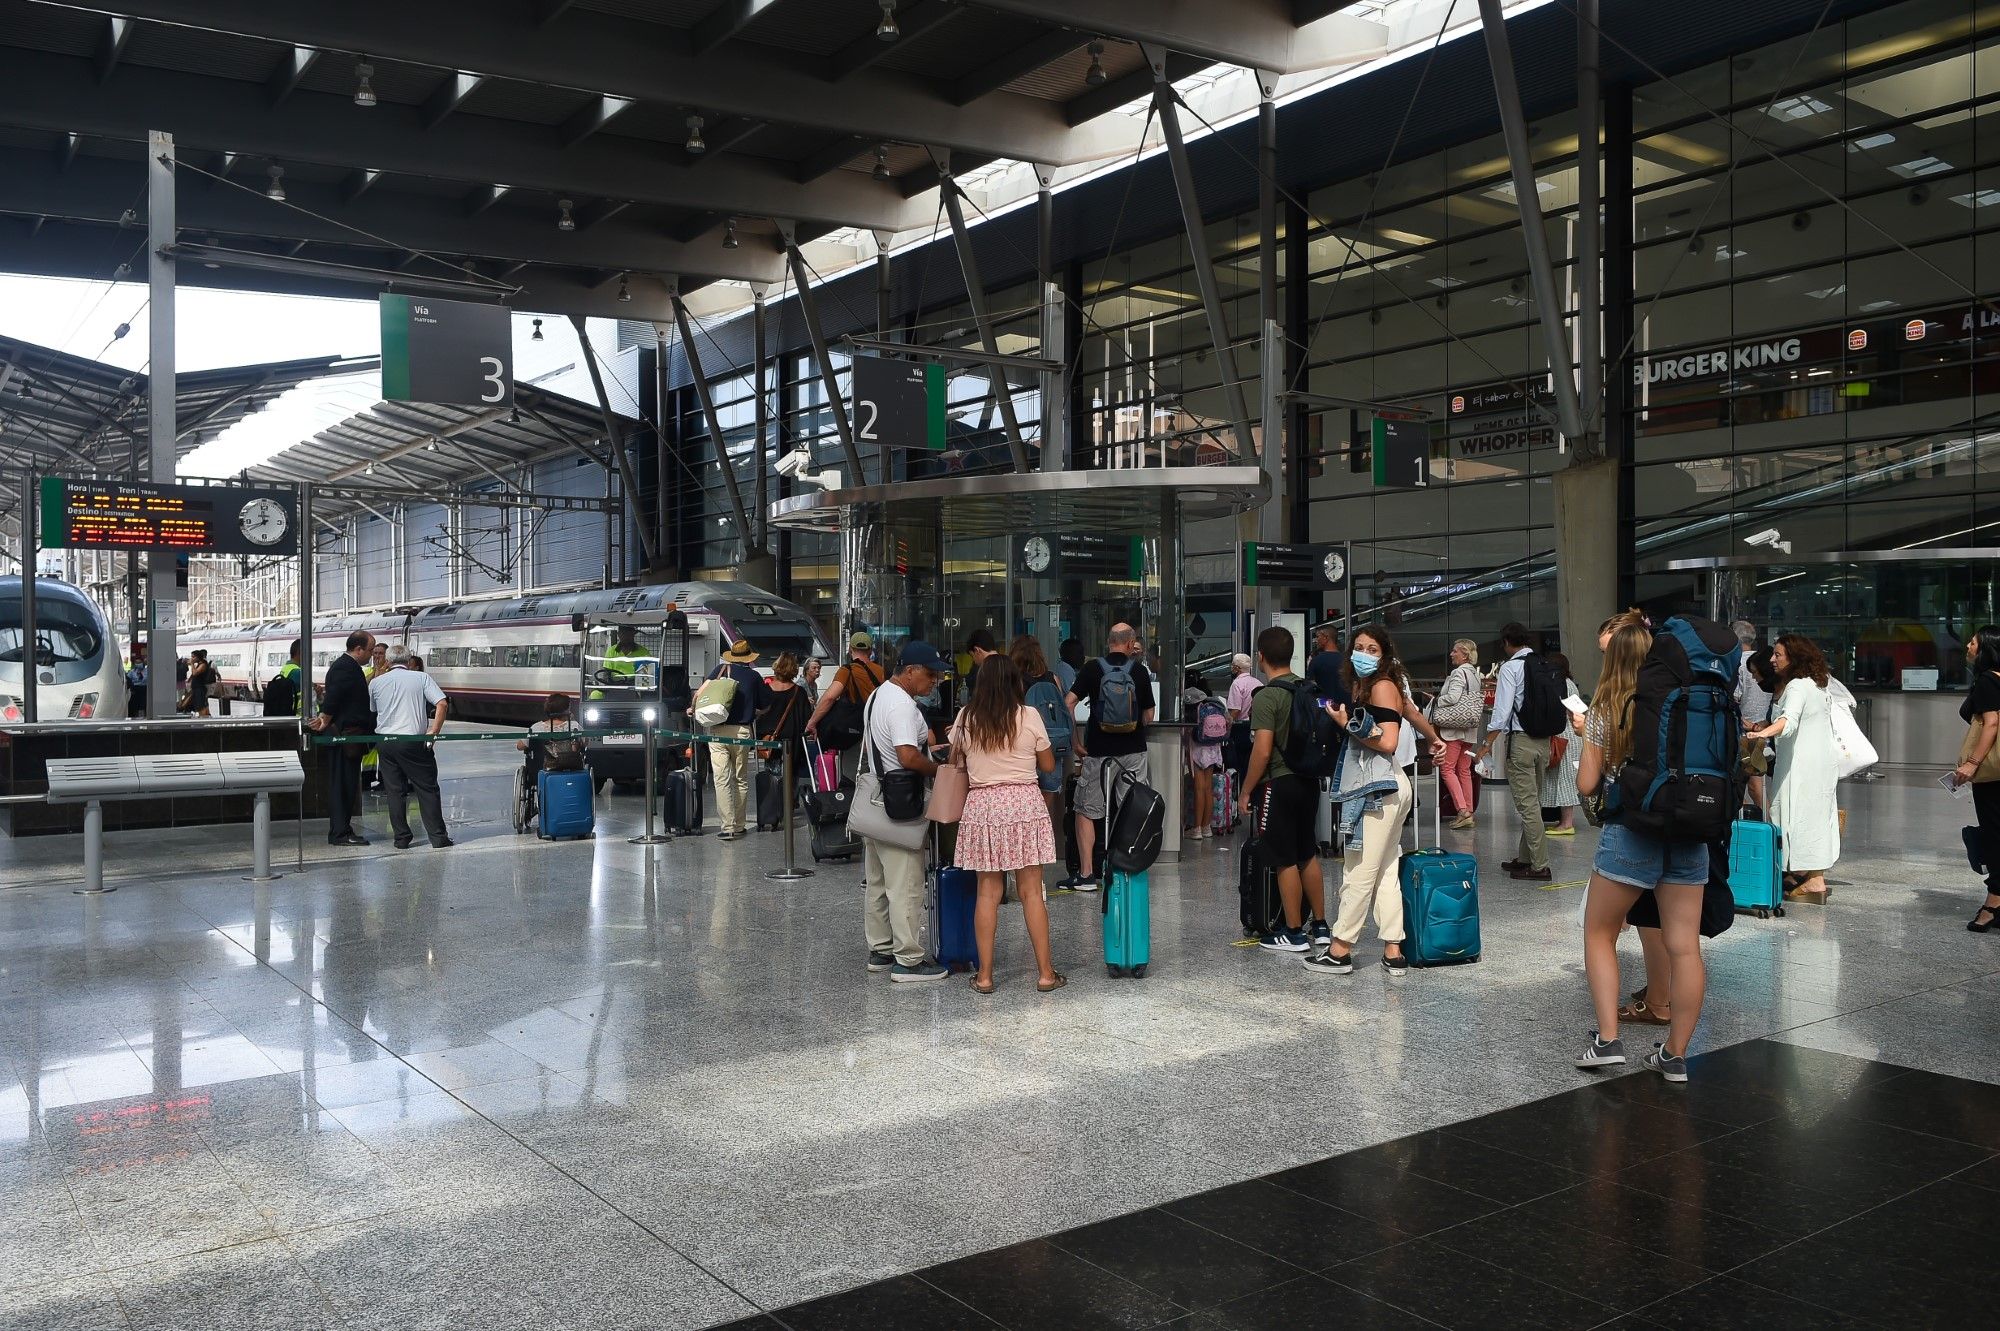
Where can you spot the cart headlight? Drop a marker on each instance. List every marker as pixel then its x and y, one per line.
pixel 650 715
pixel 593 716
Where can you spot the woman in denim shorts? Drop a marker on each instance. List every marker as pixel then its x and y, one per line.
pixel 1629 862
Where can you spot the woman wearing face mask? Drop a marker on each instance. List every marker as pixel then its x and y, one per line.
pixel 1374 798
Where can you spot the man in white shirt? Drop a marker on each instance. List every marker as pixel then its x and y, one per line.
pixel 1527 757
pixel 892 877
pixel 401 697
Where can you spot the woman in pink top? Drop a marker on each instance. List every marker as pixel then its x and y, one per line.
pixel 1005 825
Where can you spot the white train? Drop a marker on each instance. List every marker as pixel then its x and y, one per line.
pixel 500 659
pixel 77 660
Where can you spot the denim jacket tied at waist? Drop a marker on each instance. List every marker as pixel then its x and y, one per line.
pixel 1362 778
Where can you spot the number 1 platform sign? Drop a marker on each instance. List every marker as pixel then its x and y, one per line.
pixel 446 351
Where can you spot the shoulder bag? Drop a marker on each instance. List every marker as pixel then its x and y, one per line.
pixel 951 784
pixel 1855 753
pixel 1460 710
pixel 883 808
pixel 1989 767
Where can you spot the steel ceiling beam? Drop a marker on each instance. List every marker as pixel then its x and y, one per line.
pixel 111 44
pixel 729 20
pixel 865 50
pixel 58 94
pixel 292 67
pixel 1018 63
pixel 594 115
pixel 1255 34
pixel 450 95
pixel 605 53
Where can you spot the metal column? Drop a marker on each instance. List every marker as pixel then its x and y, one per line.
pixel 1055 383
pixel 715 435
pixel 1589 236
pixel 660 417
pixel 614 439
pixel 761 454
pixel 31 536
pixel 809 309
pixel 161 648
pixel 1534 228
pixel 1267 202
pixel 1204 270
pixel 308 704
pixel 982 316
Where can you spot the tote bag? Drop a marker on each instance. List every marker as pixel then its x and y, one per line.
pixel 867 815
pixel 1855 753
pixel 951 784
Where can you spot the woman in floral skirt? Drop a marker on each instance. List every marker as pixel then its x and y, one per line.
pixel 1005 826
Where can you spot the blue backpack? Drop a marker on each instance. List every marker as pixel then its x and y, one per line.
pixel 1116 711
pixel 1046 697
pixel 1681 780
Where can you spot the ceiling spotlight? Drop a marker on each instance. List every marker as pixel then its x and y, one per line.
pixel 1096 77
pixel 694 144
pixel 369 470
pixel 624 289
pixel 565 221
pixel 431 447
pixel 536 336
pixel 211 242
pixel 881 171
pixel 729 241
pixel 364 91
pixel 887 30
pixel 275 192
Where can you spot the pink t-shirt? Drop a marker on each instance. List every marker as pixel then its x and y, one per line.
pixel 1240 690
pixel 1011 766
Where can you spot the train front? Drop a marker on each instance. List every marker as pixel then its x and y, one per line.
pixel 78 671
pixel 635 674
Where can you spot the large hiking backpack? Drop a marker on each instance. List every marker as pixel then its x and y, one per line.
pixel 1681 777
pixel 1116 710
pixel 1312 741
pixel 1211 722
pixel 1046 697
pixel 1541 711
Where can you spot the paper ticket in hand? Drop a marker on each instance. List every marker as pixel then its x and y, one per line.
pixel 1577 705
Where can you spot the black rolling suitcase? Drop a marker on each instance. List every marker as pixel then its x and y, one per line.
pixel 1261 909
pixel 682 798
pixel 770 796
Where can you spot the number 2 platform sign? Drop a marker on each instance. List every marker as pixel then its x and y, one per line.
pixel 446 351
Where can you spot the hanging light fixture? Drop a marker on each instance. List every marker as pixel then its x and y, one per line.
pixel 624 289
pixel 275 191
pixel 1096 77
pixel 881 171
pixel 694 144
pixel 364 90
pixel 211 242
pixel 565 219
pixel 536 336
pixel 431 447
pixel 729 241
pixel 887 30
pixel 369 470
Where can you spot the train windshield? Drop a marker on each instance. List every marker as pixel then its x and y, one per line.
pixel 64 631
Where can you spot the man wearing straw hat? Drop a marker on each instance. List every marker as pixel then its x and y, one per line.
pixel 731 762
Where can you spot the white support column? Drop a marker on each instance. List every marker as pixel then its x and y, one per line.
pixel 162 425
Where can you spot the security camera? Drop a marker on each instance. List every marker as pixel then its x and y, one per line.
pixel 1771 537
pixel 795 463
pixel 826 480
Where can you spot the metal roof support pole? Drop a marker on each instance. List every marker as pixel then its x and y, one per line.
pixel 660 410
pixel 162 426
pixel 1168 111
pixel 809 309
pixel 982 316
pixel 761 455
pixel 308 540
pixel 614 437
pixel 1534 228
pixel 31 509
pixel 745 533
pixel 893 466
pixel 1055 329
pixel 1589 236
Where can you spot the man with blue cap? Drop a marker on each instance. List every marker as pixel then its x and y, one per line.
pixel 892 876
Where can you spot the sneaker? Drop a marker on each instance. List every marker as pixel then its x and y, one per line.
pixel 1329 964
pixel 928 970
pixel 1077 882
pixel 1602 1053
pixel 1397 966
pixel 1321 933
pixel 880 961
pixel 1285 940
pixel 1666 1064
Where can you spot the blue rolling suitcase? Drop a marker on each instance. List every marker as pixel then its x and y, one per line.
pixel 1756 869
pixel 562 806
pixel 954 893
pixel 1128 924
pixel 1440 908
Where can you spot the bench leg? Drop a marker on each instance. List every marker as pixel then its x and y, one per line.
pixel 260 841
pixel 93 850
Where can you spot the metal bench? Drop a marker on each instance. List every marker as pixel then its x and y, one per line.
pixel 91 781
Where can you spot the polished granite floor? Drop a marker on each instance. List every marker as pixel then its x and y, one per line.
pixel 589 1085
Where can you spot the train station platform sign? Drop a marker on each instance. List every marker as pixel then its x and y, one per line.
pixel 191 519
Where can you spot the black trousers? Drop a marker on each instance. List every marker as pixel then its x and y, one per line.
pixel 1986 803
pixel 410 766
pixel 343 789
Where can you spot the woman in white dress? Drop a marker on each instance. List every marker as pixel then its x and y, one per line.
pixel 1559 779
pixel 1803 805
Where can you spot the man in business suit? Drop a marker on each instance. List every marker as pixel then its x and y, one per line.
pixel 345 710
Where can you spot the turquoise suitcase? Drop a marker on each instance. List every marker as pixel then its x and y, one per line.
pixel 1756 868
pixel 1128 924
pixel 1440 908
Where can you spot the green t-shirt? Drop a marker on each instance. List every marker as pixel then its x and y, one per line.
pixel 1271 709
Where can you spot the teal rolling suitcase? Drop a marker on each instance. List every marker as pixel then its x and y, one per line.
pixel 1128 924
pixel 1440 908
pixel 1756 868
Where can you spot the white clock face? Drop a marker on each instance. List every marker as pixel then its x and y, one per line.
pixel 1035 553
pixel 1335 567
pixel 264 521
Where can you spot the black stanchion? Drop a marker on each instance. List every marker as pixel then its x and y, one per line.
pixel 791 873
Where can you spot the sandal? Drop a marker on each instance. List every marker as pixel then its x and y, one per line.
pixel 1992 914
pixel 986 992
pixel 1060 981
pixel 1638 1012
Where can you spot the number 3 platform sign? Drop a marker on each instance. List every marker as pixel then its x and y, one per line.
pixel 446 351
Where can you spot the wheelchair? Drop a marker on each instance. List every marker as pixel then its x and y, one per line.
pixel 527 780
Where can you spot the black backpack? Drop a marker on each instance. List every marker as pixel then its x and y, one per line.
pixel 1312 741
pixel 1681 779
pixel 1541 711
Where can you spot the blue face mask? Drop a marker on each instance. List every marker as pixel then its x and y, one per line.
pixel 1364 664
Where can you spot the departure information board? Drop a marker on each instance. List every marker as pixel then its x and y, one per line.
pixel 197 519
